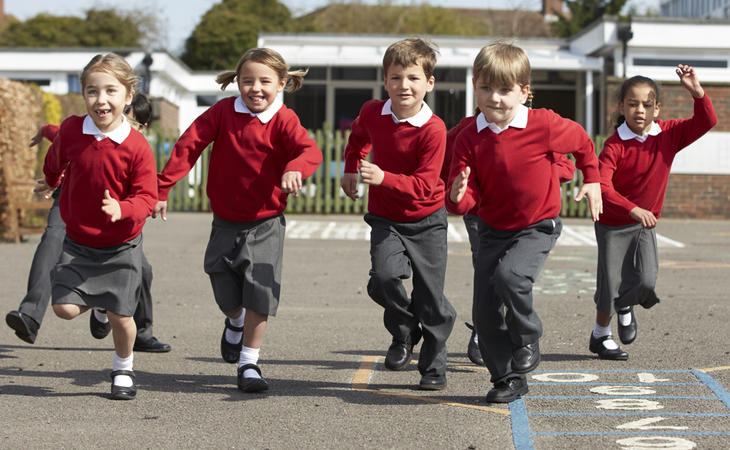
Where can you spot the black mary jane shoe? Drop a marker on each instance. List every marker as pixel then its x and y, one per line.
pixel 526 358
pixel 596 345
pixel 123 392
pixel 509 390
pixel 472 349
pixel 25 327
pixel 627 333
pixel 98 329
pixel 251 384
pixel 231 352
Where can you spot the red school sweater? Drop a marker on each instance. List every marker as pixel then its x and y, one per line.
pixel 636 173
pixel 89 166
pixel 410 156
pixel 247 160
pixel 512 179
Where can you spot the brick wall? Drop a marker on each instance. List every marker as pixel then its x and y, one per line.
pixel 688 195
pixel 697 197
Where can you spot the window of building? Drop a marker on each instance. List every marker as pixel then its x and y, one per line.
pixel 354 73
pixel 449 74
pixel 74 83
pixel 673 62
pixel 309 104
pixel 347 105
pixel 450 105
pixel 316 73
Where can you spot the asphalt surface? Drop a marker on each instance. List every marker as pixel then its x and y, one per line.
pixel 323 357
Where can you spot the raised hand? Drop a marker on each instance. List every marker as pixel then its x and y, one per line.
pixel 688 79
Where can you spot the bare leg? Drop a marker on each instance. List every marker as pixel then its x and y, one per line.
pixel 68 310
pixel 603 319
pixel 254 328
pixel 124 331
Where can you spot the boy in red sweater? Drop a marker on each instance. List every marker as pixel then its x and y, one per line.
pixel 635 164
pixel 504 162
pixel 406 209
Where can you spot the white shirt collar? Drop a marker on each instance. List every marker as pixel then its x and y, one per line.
pixel 417 120
pixel 265 115
pixel 518 121
pixel 118 135
pixel 625 133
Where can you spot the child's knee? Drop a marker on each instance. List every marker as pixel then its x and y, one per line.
pixel 507 282
pixel 66 311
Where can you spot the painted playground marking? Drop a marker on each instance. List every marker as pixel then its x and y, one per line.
pixel 666 409
pixel 572 235
pixel 662 409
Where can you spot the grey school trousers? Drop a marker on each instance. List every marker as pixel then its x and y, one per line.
pixel 396 250
pixel 508 262
pixel 628 265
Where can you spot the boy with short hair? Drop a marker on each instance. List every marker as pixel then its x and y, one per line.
pixel 504 160
pixel 406 209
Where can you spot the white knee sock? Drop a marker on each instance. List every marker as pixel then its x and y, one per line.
pixel 123 364
pixel 249 356
pixel 624 317
pixel 234 337
pixel 599 331
pixel 100 315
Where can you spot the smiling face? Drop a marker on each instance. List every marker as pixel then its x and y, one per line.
pixel 499 103
pixel 639 107
pixel 105 99
pixel 259 85
pixel 406 87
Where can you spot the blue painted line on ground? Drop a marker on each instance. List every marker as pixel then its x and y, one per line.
pixel 635 433
pixel 520 426
pixel 596 383
pixel 603 397
pixel 613 371
pixel 714 386
pixel 653 413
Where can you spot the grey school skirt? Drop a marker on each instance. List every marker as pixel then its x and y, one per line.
pixel 243 261
pixel 628 265
pixel 107 278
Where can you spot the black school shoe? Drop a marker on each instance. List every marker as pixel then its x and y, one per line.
pixel 526 358
pixel 98 330
pixel 231 352
pixel 400 352
pixel 25 327
pixel 627 333
pixel 122 392
pixel 251 384
pixel 472 349
pixel 152 345
pixel 595 345
pixel 509 390
pixel 433 382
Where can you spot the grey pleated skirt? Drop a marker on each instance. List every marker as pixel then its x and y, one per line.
pixel 107 278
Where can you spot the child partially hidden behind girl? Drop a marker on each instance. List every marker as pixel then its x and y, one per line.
pixel 110 187
pixel 634 166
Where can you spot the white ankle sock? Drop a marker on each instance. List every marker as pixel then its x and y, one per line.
pixel 624 317
pixel 100 315
pixel 599 331
pixel 234 337
pixel 249 356
pixel 123 364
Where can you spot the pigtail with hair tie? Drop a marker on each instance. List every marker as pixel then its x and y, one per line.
pixel 225 78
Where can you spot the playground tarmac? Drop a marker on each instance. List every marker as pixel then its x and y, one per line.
pixel 323 356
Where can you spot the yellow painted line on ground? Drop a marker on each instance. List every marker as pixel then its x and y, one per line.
pixel 361 382
pixel 361 379
pixel 715 369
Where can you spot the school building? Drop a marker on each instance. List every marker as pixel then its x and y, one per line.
pixel 577 77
